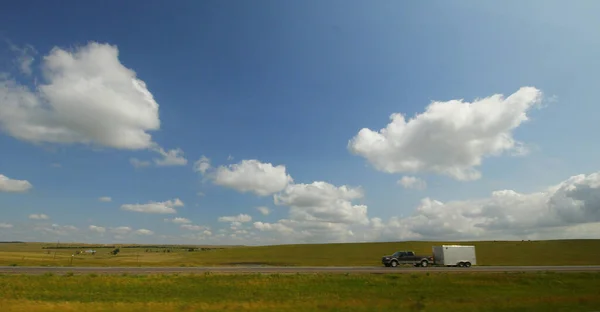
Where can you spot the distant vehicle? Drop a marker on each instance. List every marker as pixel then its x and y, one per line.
pixel 445 255
pixel 406 257
pixel 454 255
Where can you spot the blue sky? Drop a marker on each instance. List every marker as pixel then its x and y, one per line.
pixel 290 84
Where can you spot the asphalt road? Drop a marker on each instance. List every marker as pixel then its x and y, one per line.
pixel 265 269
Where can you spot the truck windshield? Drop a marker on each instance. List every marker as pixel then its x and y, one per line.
pixel 397 254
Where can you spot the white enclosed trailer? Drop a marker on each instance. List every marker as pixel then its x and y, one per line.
pixel 454 255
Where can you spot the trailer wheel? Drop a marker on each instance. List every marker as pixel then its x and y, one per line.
pixel 461 264
pixel 424 263
pixel 394 263
pixel 468 264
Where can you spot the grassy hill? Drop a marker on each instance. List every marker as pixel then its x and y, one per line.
pixel 553 252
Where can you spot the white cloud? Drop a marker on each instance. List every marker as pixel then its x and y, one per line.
pixel 172 157
pixel 318 212
pixel 5 226
pixel 570 209
pixel 97 229
pixel 324 202
pixel 13 186
pixel 144 232
pixel 192 227
pixel 155 207
pixel 506 213
pixel 264 210
pixel 59 229
pixel 449 138
pixel 178 220
pixel 278 227
pixel 105 199
pixel 121 230
pixel 239 218
pixel 202 165
pixel 253 176
pixel 56 165
pixel 204 235
pixel 89 97
pixel 308 231
pixel 40 216
pixel 412 183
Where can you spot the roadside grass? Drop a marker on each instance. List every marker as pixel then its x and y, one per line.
pixel 303 292
pixel 511 253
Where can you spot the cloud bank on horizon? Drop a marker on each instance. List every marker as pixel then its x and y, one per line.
pixel 87 97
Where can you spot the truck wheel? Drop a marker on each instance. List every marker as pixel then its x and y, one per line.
pixel 424 263
pixel 461 264
pixel 468 264
pixel 394 263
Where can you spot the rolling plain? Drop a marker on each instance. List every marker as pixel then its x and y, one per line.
pixel 489 253
pixel 424 291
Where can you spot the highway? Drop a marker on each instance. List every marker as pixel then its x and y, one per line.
pixel 288 270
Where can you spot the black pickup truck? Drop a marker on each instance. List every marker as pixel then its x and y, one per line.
pixel 406 257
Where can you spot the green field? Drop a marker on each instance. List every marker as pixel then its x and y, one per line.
pixel 303 292
pixel 558 252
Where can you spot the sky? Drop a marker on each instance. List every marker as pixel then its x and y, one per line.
pixel 275 122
